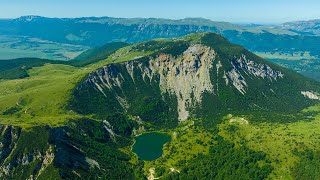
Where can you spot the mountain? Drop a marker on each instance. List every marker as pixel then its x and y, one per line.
pixel 311 27
pixel 96 31
pixel 18 68
pixel 230 114
pixel 66 38
pixel 203 77
pixel 96 54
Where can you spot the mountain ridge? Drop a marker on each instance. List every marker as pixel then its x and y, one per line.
pixel 268 41
pixel 204 58
pixel 309 27
pixel 67 121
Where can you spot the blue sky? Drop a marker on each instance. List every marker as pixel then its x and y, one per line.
pixel 241 11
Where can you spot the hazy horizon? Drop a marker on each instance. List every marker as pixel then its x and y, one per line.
pixel 234 11
pixel 258 23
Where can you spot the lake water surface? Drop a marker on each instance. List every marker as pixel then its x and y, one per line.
pixel 149 146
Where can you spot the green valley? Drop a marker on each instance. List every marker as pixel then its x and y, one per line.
pixel 12 47
pixel 227 113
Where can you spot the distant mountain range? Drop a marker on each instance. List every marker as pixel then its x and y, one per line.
pixel 311 27
pixel 65 38
pixel 96 31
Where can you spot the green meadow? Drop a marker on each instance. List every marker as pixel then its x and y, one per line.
pixel 12 47
pixel 42 98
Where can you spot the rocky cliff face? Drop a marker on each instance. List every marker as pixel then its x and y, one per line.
pixel 17 160
pixel 61 153
pixel 185 77
pixel 201 76
pixel 208 73
pixel 251 68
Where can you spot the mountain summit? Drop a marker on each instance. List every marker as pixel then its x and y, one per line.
pixel 67 121
pixel 199 75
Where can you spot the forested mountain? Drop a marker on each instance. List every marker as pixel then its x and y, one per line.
pixel 230 114
pixel 96 31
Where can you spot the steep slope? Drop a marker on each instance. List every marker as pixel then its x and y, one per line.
pixel 96 54
pixel 81 149
pixel 66 122
pixel 198 76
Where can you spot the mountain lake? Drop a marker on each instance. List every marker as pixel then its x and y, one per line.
pixel 148 146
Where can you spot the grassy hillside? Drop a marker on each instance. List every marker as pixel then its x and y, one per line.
pixel 96 54
pixel 78 120
pixel 42 97
pixel 248 144
pixel 285 144
pixel 17 68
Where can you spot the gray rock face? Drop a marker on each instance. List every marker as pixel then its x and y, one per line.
pixel 310 95
pixel 185 77
pixel 10 160
pixel 242 64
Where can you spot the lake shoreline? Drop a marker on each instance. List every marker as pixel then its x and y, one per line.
pixel 150 145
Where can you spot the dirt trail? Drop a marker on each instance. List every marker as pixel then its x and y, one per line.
pixel 152 172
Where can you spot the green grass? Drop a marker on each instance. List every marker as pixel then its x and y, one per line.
pixel 49 173
pixel 128 53
pixel 187 142
pixel 42 98
pixel 12 47
pixel 287 56
pixel 278 141
pixel 96 54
